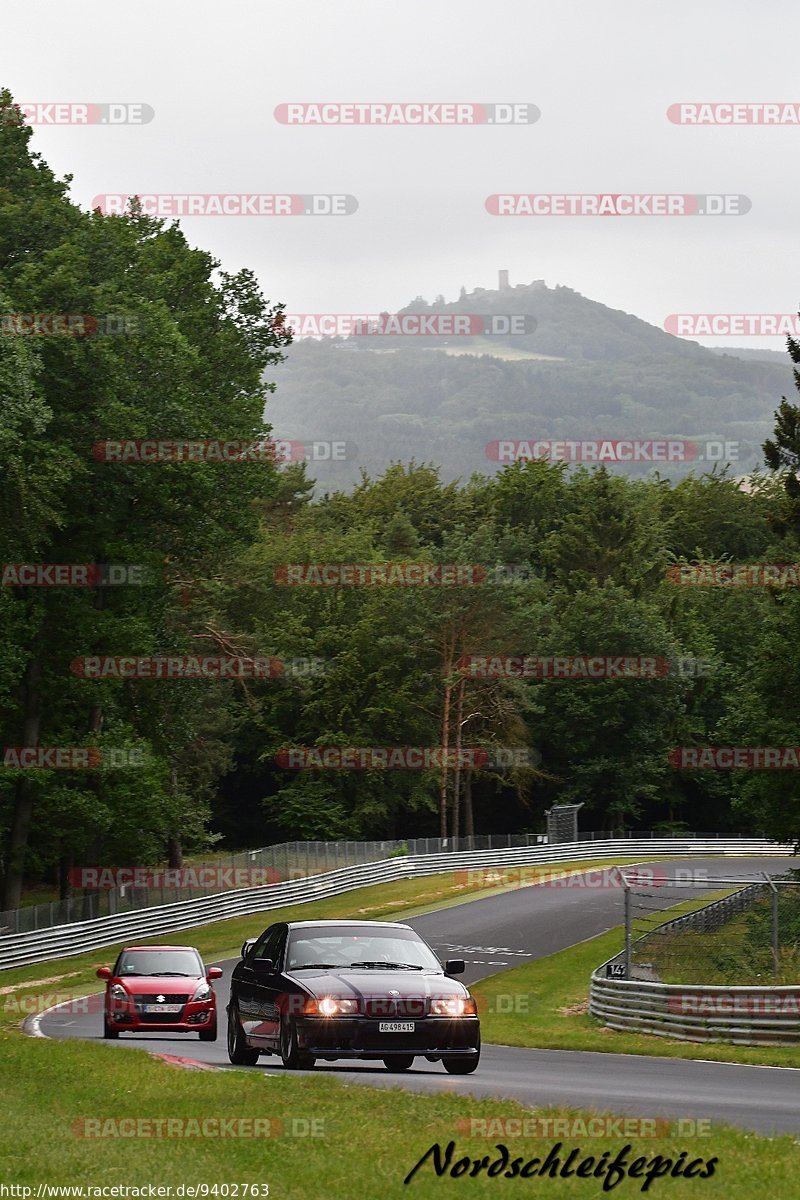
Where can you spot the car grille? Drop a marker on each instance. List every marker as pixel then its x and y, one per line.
pixel 161 1018
pixel 383 1008
pixel 169 998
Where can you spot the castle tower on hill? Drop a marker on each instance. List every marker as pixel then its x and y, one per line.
pixel 503 284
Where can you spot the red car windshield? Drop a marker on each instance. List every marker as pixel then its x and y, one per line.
pixel 159 962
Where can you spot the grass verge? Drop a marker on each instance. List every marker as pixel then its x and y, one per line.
pixel 544 1004
pixel 739 952
pixel 327 1141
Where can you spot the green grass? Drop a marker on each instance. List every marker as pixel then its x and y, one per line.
pixel 365 1141
pixel 544 1004
pixel 739 952
pixel 39 894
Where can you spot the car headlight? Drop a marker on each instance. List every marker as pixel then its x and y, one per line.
pixel 453 1006
pixel 203 992
pixel 331 1006
pixel 117 992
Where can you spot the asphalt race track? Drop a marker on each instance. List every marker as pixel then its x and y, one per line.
pixel 504 931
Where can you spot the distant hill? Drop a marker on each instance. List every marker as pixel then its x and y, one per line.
pixel 584 372
pixel 773 356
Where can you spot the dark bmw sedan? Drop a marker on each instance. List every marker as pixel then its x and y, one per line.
pixel 350 989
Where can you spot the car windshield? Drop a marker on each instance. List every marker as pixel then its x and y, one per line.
pixel 359 949
pixel 159 962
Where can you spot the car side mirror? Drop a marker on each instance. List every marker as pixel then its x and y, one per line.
pixel 214 973
pixel 455 966
pixel 247 945
pixel 263 966
pixel 104 973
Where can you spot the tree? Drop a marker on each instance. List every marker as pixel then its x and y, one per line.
pixel 782 452
pixel 192 366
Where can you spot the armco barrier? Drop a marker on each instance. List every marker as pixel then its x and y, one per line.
pixel 62 941
pixel 748 1015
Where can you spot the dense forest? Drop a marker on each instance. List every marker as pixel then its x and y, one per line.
pixel 564 563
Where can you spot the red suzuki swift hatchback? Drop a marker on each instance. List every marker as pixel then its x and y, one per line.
pixel 160 989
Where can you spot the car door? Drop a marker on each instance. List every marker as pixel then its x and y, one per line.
pixel 272 986
pixel 266 987
pixel 246 988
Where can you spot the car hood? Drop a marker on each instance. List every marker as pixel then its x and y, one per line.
pixel 156 985
pixel 375 984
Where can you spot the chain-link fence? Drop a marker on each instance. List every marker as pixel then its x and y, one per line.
pixel 127 889
pixel 270 864
pixel 692 929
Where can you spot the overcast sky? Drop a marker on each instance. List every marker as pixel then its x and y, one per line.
pixel 603 76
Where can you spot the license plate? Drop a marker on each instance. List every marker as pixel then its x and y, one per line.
pixel 170 1008
pixel 396 1027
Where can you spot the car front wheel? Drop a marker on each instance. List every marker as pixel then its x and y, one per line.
pixel 240 1054
pixel 291 1055
pixel 209 1034
pixel 460 1066
pixel 109 1031
pixel 399 1062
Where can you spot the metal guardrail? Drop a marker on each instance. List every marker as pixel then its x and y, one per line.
pixel 748 1016
pixel 66 940
pixel 286 860
pixel 744 1015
